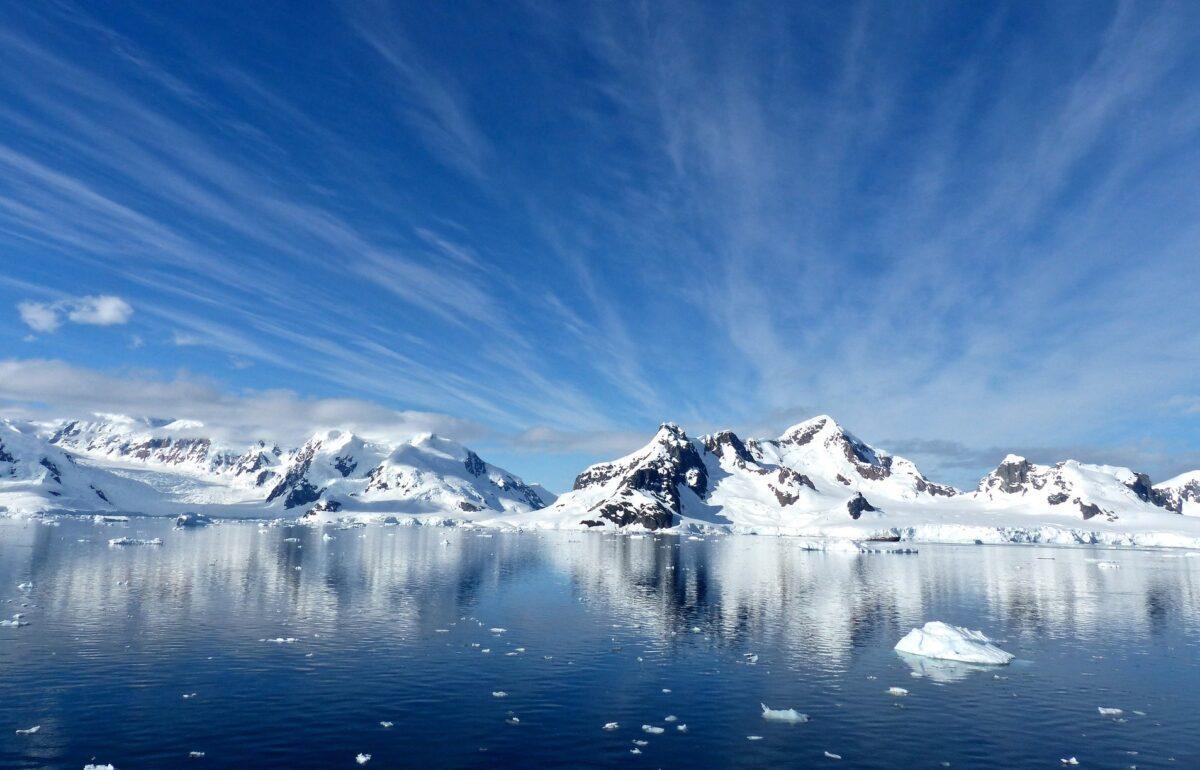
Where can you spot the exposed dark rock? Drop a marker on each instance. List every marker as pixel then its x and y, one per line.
pixel 1013 475
pixel 858 505
pixel 100 494
pixel 1141 487
pixel 1058 498
pixel 469 507
pixel 5 455
pixel 842 479
pixel 345 465
pixel 725 444
pixel 1088 510
pixel 55 473
pixel 592 523
pixel 475 466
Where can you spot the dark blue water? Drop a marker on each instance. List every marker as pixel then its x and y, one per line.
pixel 391 624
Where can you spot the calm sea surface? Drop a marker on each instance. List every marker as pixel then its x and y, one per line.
pixel 139 655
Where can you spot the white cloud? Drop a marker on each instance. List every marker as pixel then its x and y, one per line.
pixel 48 389
pixel 97 310
pixel 39 316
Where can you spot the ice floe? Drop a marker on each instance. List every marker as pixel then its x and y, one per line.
pixel 1110 712
pixel 362 759
pixel 117 541
pixel 29 730
pixel 653 729
pixel 947 642
pixel 783 715
pixel 611 726
pixel 831 755
pixel 897 691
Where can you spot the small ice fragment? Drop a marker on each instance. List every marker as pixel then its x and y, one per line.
pixel 441 630
pixel 90 766
pixel 189 695
pixel 513 720
pixel 1069 761
pixel 29 730
pixel 611 726
pixel 751 659
pixel 635 751
pixel 280 640
pixel 116 541
pixel 652 729
pixel 897 691
pixel 497 630
pixel 196 754
pixel 385 724
pixel 1109 712
pixel 326 537
pixel 641 743
pixel 681 728
pixel 754 737
pixel 363 759
pixel 667 689
pixel 670 718
pixel 944 641
pixel 783 715
pixel 695 629
pixel 499 694
pixel 831 755
pixel 24 586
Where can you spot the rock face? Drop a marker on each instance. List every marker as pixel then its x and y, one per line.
pixel 1088 490
pixel 1182 492
pixel 646 486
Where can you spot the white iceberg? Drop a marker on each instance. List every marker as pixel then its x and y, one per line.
pixel 897 691
pixel 363 759
pixel 29 730
pixel 783 715
pixel 134 541
pixel 652 729
pixel 947 642
pixel 1109 712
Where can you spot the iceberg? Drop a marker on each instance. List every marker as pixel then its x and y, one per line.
pixel 783 715
pixel 947 642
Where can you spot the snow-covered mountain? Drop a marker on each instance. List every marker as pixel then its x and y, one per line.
pixel 815 470
pixel 1089 490
pixel 36 476
pixel 168 467
pixel 172 445
pixel 819 479
pixel 336 471
pixel 1183 492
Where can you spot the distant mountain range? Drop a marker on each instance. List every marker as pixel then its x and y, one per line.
pixel 816 478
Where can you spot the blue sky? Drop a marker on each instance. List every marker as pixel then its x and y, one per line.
pixel 543 228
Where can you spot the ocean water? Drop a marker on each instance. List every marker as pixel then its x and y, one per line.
pixel 397 624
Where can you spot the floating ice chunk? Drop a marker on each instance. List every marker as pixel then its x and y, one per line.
pixel 196 754
pixel 611 726
pixel 670 718
pixel 666 690
pixel 831 755
pixel 1069 761
pixel 189 695
pixel 191 519
pixel 641 743
pixel 280 640
pixel 16 622
pixel 754 737
pixel 326 537
pixel 134 541
pixel 513 720
pixel 897 691
pixel 1109 712
pixel 497 630
pixel 98 767
pixel 291 540
pixel 681 728
pixel 499 694
pixel 635 750
pixel 947 642
pixel 652 729
pixel 24 586
pixel 109 519
pixel 29 730
pixel 362 759
pixel 783 715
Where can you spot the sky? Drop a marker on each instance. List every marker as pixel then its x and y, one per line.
pixel 543 228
